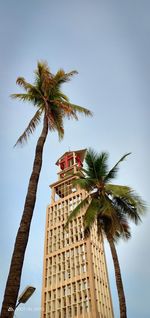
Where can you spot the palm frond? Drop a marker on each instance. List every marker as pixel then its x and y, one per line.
pixel 81 110
pixel 84 183
pixel 30 128
pixel 71 110
pixel 129 202
pixel 90 160
pixel 28 97
pixel 113 172
pixel 66 109
pixel 109 212
pixel 43 68
pixel 128 209
pixel 23 97
pixel 62 77
pixel 117 190
pixel 23 83
pixel 123 230
pixel 33 93
pixel 106 207
pixel 77 210
pixel 136 201
pixel 101 165
pixel 96 166
pixel 55 121
pixel 63 96
pixel 129 198
pixel 44 78
pixel 91 213
pixel 31 89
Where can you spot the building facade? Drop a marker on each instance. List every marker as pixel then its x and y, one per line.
pixel 75 279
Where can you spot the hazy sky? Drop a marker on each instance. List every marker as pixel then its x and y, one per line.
pixel 108 43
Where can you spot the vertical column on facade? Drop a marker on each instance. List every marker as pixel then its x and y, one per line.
pixel 94 309
pixel 52 195
pixel 45 269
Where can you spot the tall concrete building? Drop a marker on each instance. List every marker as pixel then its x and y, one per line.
pixel 75 279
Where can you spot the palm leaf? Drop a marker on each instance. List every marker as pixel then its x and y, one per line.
pixel 43 69
pixel 112 173
pixel 77 210
pixel 109 211
pixel 101 165
pixel 96 166
pixel 91 213
pixel 123 230
pixel 85 183
pixel 33 93
pixel 128 209
pixel 44 78
pixel 117 190
pixel 55 121
pixel 31 89
pixel 90 160
pixel 22 82
pixel 63 96
pixel 128 201
pixel 24 97
pixel 66 109
pixel 128 195
pixel 30 128
pixel 81 110
pixel 35 100
pixel 62 77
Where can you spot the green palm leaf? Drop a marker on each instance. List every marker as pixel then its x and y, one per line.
pixel 113 172
pixel 63 96
pixel 23 97
pixel 30 128
pixel 31 89
pixel 85 183
pixel 90 160
pixel 128 209
pixel 101 165
pixel 28 97
pixel 91 214
pixel 22 82
pixel 123 231
pixel 96 165
pixel 129 200
pixel 55 120
pixel 77 210
pixel 117 190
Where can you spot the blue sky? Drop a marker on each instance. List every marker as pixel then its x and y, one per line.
pixel 107 42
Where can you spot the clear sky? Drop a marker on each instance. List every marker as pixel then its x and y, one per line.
pixel 108 43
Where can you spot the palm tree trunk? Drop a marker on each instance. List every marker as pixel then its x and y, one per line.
pixel 14 276
pixel 119 283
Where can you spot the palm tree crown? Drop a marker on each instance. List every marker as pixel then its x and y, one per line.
pixel 106 201
pixel 46 95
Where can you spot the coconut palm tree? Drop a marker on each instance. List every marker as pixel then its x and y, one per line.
pixel 111 206
pixel 53 106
